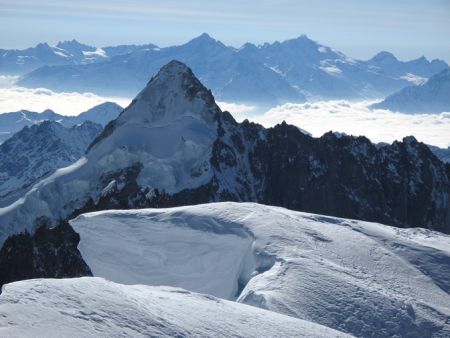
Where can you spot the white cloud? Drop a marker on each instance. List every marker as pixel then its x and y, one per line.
pixel 237 108
pixel 354 118
pixel 39 99
pixel 7 80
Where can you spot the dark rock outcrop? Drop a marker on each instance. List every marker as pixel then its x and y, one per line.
pixel 48 253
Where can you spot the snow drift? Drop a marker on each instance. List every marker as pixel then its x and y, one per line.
pixel 363 278
pixel 93 307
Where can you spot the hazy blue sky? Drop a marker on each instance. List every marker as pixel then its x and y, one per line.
pixel 360 28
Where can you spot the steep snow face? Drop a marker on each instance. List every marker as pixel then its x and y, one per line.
pixel 168 128
pixel 190 252
pixel 362 278
pixel 173 93
pixel 164 137
pixel 93 307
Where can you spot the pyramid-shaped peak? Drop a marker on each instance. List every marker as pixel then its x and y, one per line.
pixel 204 41
pixel 174 68
pixel 384 56
pixel 204 37
pixel 174 92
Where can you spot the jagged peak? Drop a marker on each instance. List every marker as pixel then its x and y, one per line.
pixel 43 46
pixel 67 42
pixel 73 44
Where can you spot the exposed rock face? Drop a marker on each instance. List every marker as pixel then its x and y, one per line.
pixel 48 253
pixel 402 184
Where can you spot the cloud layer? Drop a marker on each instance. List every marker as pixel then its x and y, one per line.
pixel 18 98
pixel 354 118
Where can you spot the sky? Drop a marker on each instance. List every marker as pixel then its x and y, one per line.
pixel 359 28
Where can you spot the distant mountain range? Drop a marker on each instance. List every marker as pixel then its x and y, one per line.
pixel 433 96
pixel 19 62
pixel 11 123
pixel 289 71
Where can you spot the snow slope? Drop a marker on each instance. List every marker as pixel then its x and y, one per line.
pixel 94 307
pixel 363 278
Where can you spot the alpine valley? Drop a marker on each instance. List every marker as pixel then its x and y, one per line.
pixel 363 250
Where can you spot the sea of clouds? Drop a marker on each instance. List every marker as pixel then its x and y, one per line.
pixel 355 118
pixel 39 99
pixel 317 118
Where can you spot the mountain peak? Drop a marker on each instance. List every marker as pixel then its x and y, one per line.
pixel 74 45
pixel 384 56
pixel 204 40
pixel 205 36
pixel 172 93
pixel 302 40
pixel 173 68
pixel 43 46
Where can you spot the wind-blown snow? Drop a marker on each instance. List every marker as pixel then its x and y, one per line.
pixel 358 277
pixel 93 307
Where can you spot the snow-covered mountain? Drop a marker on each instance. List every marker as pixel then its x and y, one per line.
pixel 415 71
pixel 101 114
pixel 366 279
pixel 174 146
pixel 93 307
pixel 19 62
pixel 39 150
pixel 11 123
pixel 433 96
pixel 272 73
